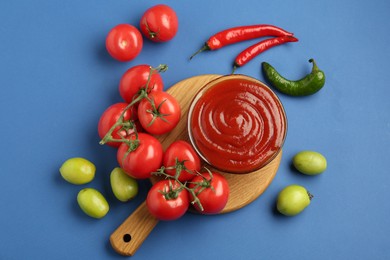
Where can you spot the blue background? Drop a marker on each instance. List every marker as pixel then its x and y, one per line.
pixel 57 78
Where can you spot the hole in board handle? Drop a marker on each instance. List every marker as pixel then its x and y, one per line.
pixel 126 238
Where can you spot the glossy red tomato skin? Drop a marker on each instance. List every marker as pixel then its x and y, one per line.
pixel 170 109
pixel 167 209
pixel 213 200
pixel 144 160
pixel 136 78
pixel 110 116
pixel 159 23
pixel 124 42
pixel 182 151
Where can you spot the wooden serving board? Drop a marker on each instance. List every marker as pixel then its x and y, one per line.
pixel 244 188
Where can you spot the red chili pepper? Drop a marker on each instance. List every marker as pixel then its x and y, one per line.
pixel 241 33
pixel 249 53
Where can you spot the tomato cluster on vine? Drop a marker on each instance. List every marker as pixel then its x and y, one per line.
pixel 131 127
pixel 185 186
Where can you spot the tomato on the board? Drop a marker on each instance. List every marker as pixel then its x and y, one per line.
pixel 167 201
pixel 160 113
pixel 180 152
pixel 212 191
pixel 144 159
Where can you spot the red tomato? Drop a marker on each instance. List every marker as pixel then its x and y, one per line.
pixel 213 199
pixel 182 152
pixel 110 116
pixel 136 78
pixel 159 23
pixel 161 118
pixel 124 42
pixel 165 202
pixel 142 161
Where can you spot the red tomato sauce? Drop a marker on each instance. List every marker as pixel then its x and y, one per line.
pixel 237 124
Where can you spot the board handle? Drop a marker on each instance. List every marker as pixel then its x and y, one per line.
pixel 130 235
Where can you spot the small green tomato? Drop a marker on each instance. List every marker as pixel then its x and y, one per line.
pixel 78 171
pixel 123 186
pixel 92 202
pixel 293 199
pixel 310 162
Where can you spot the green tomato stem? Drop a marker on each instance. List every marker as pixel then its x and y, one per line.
pixel 311 196
pixel 160 68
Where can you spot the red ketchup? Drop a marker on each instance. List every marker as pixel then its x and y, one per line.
pixel 237 124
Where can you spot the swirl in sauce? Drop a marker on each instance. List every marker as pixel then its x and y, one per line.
pixel 237 124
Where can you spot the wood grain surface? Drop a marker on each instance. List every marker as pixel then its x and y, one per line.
pixel 244 188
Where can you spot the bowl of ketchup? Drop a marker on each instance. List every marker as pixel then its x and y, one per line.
pixel 237 124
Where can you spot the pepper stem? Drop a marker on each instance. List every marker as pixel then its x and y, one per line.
pixel 315 68
pixel 204 48
pixel 235 66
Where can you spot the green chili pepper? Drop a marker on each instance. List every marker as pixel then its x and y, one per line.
pixel 308 85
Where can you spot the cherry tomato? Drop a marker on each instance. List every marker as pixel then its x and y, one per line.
pixel 166 201
pixel 183 153
pixel 159 23
pixel 124 42
pixel 110 116
pixel 136 78
pixel 142 161
pixel 214 195
pixel 161 117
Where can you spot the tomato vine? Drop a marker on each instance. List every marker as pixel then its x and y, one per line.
pixel 194 191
